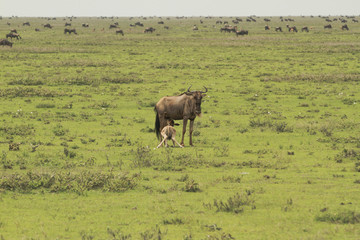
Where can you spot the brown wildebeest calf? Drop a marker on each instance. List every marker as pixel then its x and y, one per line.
pixel 168 133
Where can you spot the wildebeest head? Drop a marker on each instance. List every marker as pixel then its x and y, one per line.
pixel 197 96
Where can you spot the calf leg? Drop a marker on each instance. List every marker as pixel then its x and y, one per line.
pixel 174 141
pixel 161 143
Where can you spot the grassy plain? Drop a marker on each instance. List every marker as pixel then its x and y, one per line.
pixel 277 150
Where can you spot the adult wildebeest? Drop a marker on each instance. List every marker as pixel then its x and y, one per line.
pixel 344 27
pixel 120 32
pixel 292 29
pixel 85 25
pixel 26 24
pixel 242 32
pixel 328 26
pixel 168 133
pixel 47 25
pixel 112 26
pixel 13 35
pixel 149 30
pixel 67 24
pixel 139 24
pixel 306 29
pixel 69 31
pixel 278 29
pixel 5 42
pixel 185 106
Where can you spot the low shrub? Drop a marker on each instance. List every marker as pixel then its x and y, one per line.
pixel 68 182
pixel 342 217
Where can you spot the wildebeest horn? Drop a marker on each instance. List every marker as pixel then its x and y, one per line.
pixel 205 90
pixel 189 88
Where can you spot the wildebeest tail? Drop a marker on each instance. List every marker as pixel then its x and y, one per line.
pixel 157 125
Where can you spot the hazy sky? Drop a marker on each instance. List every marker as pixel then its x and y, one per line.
pixel 48 8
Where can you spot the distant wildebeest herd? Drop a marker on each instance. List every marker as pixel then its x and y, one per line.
pixel 226 28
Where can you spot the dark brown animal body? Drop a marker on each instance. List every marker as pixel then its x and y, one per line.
pixel 26 24
pixel 292 29
pixel 185 106
pixel 120 32
pixel 345 27
pixel 47 25
pixel 5 42
pixel 13 35
pixel 306 29
pixel 278 29
pixel 242 32
pixel 69 31
pixel 149 30
pixel 228 29
pixel 328 26
pixel 139 24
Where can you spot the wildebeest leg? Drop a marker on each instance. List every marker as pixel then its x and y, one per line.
pixel 191 130
pixel 174 141
pixel 184 131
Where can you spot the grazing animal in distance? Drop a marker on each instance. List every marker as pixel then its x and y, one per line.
pixel 13 35
pixel 168 133
pixel 292 29
pixel 120 32
pixel 85 25
pixel 48 26
pixel 344 27
pixel 149 30
pixel 67 24
pixel 306 29
pixel 242 32
pixel 278 29
pixel 69 31
pixel 328 26
pixel 185 106
pixel 5 42
pixel 26 24
pixel 267 27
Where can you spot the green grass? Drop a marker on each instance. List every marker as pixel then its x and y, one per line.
pixel 276 156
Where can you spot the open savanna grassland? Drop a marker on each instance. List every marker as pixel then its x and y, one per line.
pixel 277 149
